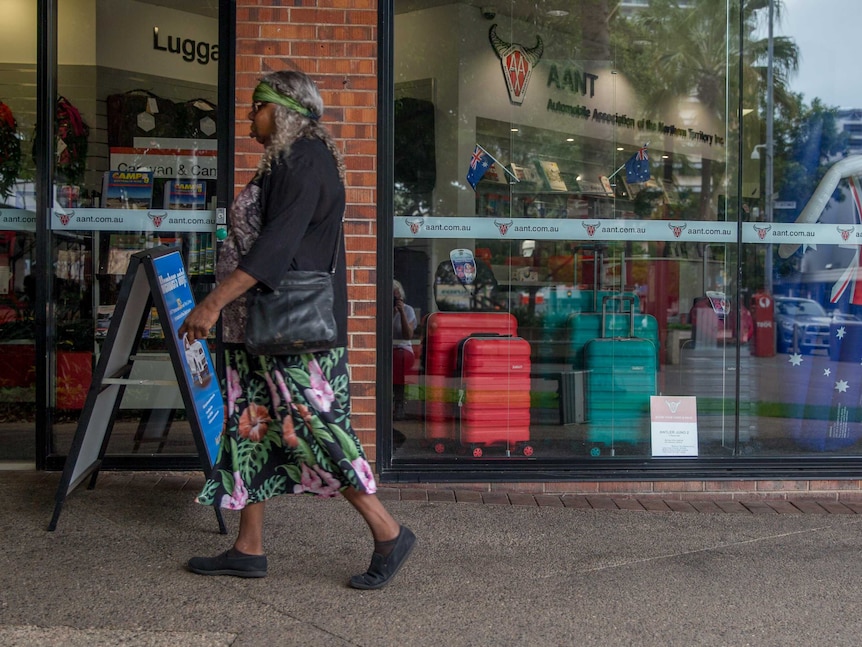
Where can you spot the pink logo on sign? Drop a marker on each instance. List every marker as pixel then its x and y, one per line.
pixel 503 226
pixel 845 233
pixel 415 224
pixel 677 229
pixel 762 231
pixel 591 228
pixel 157 217
pixel 64 216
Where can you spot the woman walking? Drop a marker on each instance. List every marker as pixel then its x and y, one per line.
pixel 288 427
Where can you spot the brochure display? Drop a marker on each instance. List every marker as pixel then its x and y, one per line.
pixel 128 190
pixel 185 194
pixel 155 278
pixel 550 173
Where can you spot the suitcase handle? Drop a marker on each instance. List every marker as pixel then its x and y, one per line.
pixel 626 298
pixel 631 311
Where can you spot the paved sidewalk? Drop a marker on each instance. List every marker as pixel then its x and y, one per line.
pixel 708 503
pixel 491 568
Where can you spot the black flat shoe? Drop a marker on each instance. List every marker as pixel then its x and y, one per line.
pixel 383 569
pixel 227 564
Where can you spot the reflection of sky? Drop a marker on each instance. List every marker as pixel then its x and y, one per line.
pixel 827 33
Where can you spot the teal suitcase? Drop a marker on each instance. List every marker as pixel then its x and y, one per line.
pixel 584 327
pixel 621 377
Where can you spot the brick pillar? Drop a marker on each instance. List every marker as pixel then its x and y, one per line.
pixel 334 42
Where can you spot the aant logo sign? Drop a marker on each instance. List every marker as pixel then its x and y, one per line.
pixel 518 63
pixel 503 226
pixel 762 231
pixel 591 228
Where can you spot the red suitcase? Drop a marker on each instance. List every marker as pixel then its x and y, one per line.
pixel 443 332
pixel 494 394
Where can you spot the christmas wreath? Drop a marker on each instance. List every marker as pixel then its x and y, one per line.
pixel 72 135
pixel 10 151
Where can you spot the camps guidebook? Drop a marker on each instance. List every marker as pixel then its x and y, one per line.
pixel 127 190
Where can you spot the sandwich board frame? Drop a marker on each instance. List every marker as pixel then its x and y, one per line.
pixel 154 277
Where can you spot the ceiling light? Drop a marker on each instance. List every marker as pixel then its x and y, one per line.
pixel 570 139
pixel 557 13
pixel 514 130
pixel 619 148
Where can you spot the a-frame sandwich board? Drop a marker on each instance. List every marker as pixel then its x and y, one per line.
pixel 154 277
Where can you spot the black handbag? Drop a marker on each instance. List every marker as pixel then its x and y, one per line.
pixel 297 317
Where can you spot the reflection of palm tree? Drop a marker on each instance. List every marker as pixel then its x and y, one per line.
pixel 693 51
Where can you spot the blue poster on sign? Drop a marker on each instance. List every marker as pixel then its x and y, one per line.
pixel 198 367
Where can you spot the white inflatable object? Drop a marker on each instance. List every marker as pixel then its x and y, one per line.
pixel 847 167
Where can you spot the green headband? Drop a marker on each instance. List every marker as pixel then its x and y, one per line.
pixel 267 94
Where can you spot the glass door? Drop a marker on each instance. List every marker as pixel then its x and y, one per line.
pixel 135 168
pixel 17 233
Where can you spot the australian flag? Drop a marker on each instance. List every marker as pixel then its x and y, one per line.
pixel 479 164
pixel 637 168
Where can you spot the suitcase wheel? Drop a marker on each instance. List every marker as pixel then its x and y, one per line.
pixel 439 447
pixel 477 452
pixel 527 450
pixel 595 450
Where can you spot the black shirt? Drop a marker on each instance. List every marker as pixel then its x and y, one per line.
pixel 303 202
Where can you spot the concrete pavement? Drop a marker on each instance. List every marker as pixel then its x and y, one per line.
pixel 524 571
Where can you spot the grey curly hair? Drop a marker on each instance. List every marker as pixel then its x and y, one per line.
pixel 290 125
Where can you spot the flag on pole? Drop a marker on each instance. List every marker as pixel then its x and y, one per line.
pixel 853 272
pixel 479 164
pixel 637 167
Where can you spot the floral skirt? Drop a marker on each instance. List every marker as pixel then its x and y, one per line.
pixel 288 430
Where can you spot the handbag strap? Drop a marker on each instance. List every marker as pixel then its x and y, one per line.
pixel 337 246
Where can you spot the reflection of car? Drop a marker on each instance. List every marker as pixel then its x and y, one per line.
pixel 802 325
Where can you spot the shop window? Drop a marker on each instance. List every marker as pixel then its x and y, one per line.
pixel 17 235
pixel 586 200
pixel 136 137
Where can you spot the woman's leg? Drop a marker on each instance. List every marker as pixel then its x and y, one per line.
pixel 383 526
pixel 246 558
pixel 250 537
pixel 393 543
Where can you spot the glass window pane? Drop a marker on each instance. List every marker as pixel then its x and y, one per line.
pixel 677 173
pixel 136 168
pixel 17 232
pixel 564 176
pixel 801 175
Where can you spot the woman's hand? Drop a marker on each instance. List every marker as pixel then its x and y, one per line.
pixel 202 318
pixel 199 322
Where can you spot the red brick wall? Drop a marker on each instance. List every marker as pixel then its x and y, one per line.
pixel 334 42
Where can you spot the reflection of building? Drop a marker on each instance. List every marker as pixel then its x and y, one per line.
pixel 850 122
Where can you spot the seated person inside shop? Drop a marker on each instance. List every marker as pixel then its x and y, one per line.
pixel 403 327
